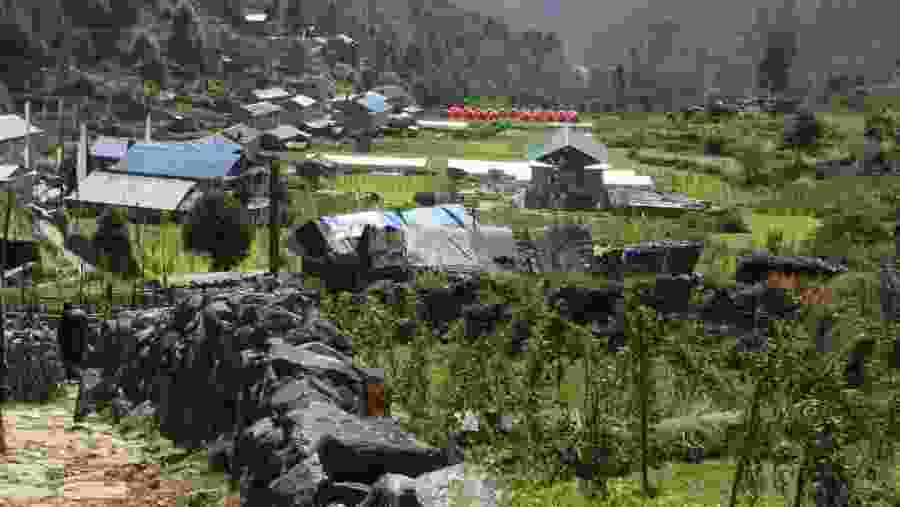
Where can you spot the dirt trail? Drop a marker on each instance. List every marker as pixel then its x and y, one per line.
pixel 51 463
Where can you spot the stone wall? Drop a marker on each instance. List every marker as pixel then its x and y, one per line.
pixel 255 374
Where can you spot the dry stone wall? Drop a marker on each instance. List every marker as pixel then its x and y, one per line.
pixel 256 375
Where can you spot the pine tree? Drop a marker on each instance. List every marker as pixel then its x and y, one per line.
pixel 329 22
pixel 183 45
pixel 294 15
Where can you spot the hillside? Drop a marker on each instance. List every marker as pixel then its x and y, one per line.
pixel 433 45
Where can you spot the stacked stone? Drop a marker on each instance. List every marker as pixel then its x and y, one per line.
pixel 270 388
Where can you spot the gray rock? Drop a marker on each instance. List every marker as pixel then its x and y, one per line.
pixel 436 489
pixel 292 361
pixel 392 490
pixel 93 387
pixel 297 393
pixel 359 450
pixel 300 485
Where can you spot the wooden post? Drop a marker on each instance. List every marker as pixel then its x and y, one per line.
pixel 59 128
pixel 274 226
pixel 3 366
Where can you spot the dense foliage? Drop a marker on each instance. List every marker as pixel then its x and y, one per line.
pixel 217 226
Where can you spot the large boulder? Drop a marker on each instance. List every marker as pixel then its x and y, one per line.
pixel 443 487
pixel 359 450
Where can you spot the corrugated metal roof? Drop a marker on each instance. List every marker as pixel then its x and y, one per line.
pixel 271 94
pixel 116 189
pixel 520 170
pixel 262 108
pixel 284 132
pixel 7 170
pixel 110 148
pixel 377 161
pixel 374 102
pixel 241 133
pixel 180 160
pixel 560 138
pixel 13 127
pixel 429 124
pixel 303 100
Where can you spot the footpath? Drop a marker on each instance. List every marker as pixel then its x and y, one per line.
pixel 50 461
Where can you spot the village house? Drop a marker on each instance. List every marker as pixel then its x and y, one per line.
pixel 261 115
pixel 247 137
pixel 281 137
pixel 157 177
pixel 12 137
pixel 108 151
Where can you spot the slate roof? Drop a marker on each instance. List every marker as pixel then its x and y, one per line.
pixel 181 160
pixel 13 127
pixel 101 187
pixel 562 138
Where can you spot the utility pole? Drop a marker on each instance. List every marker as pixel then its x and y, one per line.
pixel 274 226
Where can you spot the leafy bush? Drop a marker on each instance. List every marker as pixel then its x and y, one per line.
pixel 714 142
pixel 840 232
pixel 802 130
pixel 753 161
pixel 217 227
pixel 112 243
pixel 731 221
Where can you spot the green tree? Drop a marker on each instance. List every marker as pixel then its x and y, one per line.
pixel 217 227
pixel 329 22
pixel 112 244
pixel 414 60
pixel 183 44
pixel 294 15
pixel 774 69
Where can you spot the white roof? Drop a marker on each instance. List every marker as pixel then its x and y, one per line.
pixel 519 170
pixel 256 17
pixel 346 39
pixel 443 124
pixel 627 180
pixel 271 94
pixel 7 170
pixel 377 161
pixel 303 100
pixel 13 127
pixel 620 172
pixel 603 166
pixel 119 189
pixel 262 108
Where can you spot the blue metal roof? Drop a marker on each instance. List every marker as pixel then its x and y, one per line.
pixel 183 160
pixel 374 102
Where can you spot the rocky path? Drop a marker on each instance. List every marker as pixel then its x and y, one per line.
pixel 51 462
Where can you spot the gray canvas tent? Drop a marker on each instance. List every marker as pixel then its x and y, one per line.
pixel 440 237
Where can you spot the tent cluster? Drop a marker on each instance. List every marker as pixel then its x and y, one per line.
pixel 359 247
pixel 475 113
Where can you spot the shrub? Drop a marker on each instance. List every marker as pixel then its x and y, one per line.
pixel 714 142
pixel 753 162
pixel 112 244
pixel 217 227
pixel 802 130
pixel 731 221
